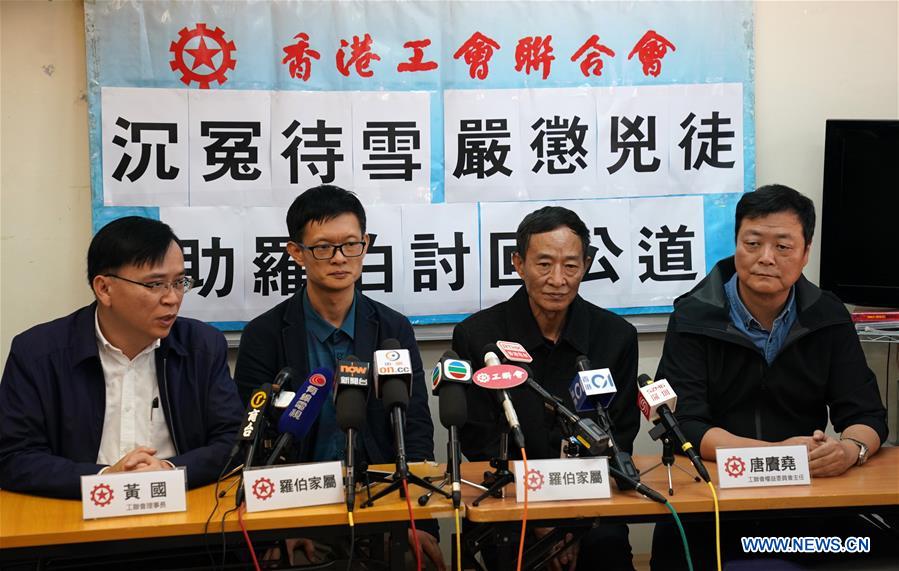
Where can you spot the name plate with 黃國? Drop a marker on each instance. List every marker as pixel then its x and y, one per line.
pixel 563 479
pixel 762 466
pixel 293 486
pixel 133 493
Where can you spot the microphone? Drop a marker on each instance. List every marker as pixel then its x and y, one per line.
pixel 350 398
pixel 298 418
pixel 585 430
pixel 284 377
pixel 593 390
pixel 595 439
pixel 450 381
pixel 393 385
pixel 657 401
pixel 249 430
pixel 499 377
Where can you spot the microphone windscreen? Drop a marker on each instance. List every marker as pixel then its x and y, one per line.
pixel 391 344
pixel 350 409
pixel 453 405
pixel 394 392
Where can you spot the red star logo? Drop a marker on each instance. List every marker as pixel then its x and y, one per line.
pixel 203 55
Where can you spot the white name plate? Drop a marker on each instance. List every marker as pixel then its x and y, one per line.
pixel 133 493
pixel 763 466
pixel 293 486
pixel 563 479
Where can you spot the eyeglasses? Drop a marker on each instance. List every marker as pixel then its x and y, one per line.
pixel 179 286
pixel 328 251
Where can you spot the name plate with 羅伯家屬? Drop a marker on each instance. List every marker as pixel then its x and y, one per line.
pixel 763 466
pixel 133 493
pixel 563 479
pixel 293 486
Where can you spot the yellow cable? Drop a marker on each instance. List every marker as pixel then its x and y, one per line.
pixel 458 543
pixel 350 516
pixel 717 525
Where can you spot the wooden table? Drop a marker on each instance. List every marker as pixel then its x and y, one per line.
pixel 497 521
pixel 874 484
pixel 31 525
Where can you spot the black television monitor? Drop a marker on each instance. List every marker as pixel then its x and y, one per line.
pixel 860 212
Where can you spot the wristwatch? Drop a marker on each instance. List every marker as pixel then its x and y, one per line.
pixel 862 449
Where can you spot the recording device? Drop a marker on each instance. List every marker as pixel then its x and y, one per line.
pixel 594 390
pixel 449 382
pixel 487 379
pixel 350 401
pixel 298 418
pixel 584 430
pixel 657 401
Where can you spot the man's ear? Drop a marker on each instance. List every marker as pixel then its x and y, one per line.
pixel 367 239
pixel 298 254
pixel 101 286
pixel 518 262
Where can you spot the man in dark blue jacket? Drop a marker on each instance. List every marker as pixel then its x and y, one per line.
pixel 122 384
pixel 327 320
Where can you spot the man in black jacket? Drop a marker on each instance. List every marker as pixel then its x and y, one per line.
pixel 330 319
pixel 123 384
pixel 555 325
pixel 758 355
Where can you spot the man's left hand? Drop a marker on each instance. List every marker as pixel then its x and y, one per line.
pixel 429 547
pixel 831 457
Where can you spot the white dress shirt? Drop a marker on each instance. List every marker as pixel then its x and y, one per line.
pixel 134 414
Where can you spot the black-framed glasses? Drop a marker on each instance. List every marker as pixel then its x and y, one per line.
pixel 328 251
pixel 181 285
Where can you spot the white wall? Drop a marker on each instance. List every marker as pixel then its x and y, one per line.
pixel 814 60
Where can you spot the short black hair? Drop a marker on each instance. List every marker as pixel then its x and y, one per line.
pixel 775 198
pixel 547 219
pixel 132 240
pixel 320 204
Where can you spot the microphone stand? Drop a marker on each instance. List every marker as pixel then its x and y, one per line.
pixel 350 477
pixel 395 480
pixel 495 481
pixel 453 473
pixel 658 431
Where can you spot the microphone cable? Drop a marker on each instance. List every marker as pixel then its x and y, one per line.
pixel 215 508
pixel 683 535
pixel 717 525
pixel 349 563
pixel 458 542
pixel 524 517
pixel 246 536
pixel 412 522
pixel 225 537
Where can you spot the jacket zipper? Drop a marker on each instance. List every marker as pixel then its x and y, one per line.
pixel 168 403
pixel 758 410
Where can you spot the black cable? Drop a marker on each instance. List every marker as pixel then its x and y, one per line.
pixel 215 508
pixel 224 537
pixel 349 563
